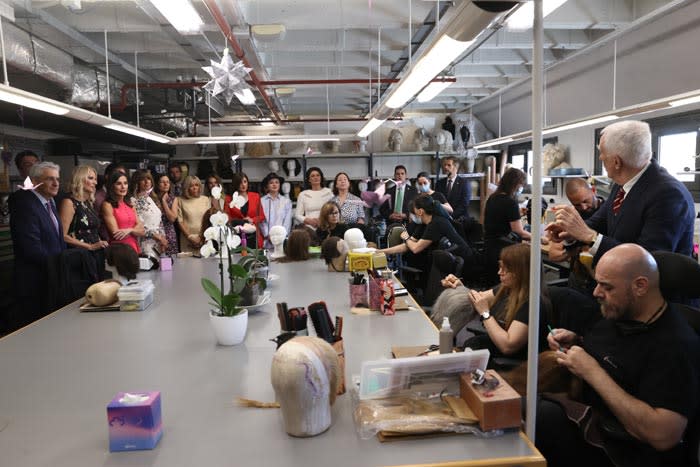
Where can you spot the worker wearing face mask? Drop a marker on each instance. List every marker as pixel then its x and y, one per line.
pixel 423 185
pixel 502 224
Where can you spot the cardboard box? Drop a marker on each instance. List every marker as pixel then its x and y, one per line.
pixel 495 409
pixel 134 421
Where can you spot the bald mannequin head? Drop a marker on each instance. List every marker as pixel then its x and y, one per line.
pixel 628 283
pixel 582 197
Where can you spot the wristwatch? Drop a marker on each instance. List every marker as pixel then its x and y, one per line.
pixel 485 315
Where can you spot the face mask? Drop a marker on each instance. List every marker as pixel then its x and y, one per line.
pixel 415 219
pixel 424 188
pixel 519 191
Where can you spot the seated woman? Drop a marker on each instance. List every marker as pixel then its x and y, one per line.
pixel 352 209
pixel 145 202
pixel 191 207
pixel 501 218
pixel 119 216
pixel 246 209
pixel 329 224
pixel 423 186
pixel 310 201
pixel 504 309
pixel 81 224
pixel 432 231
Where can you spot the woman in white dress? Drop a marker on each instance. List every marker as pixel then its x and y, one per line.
pixel 310 201
pixel 145 203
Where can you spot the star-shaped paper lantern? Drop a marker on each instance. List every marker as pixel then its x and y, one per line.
pixel 228 79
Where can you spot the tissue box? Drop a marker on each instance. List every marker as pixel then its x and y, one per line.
pixel 359 261
pixel 166 263
pixel 135 296
pixel 134 421
pixel 496 409
pixel 379 260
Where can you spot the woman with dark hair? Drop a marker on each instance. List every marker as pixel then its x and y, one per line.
pixel 330 224
pixel 245 206
pixel 145 203
pixel 502 218
pixel 277 208
pixel 311 200
pixel 168 204
pixel 119 216
pixel 432 231
pixel 504 310
pixel 423 186
pixel 352 209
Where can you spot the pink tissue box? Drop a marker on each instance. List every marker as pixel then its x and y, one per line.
pixel 166 263
pixel 134 421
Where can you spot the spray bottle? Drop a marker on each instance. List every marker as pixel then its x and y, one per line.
pixel 446 336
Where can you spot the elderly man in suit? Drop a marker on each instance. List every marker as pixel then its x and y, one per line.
pixel 37 235
pixel 455 189
pixel 646 206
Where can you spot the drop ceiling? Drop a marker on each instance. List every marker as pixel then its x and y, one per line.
pixel 341 44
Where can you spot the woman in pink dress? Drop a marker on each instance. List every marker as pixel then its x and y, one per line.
pixel 119 216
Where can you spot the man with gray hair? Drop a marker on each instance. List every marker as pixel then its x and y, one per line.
pixel 37 235
pixel 646 206
pixel 639 368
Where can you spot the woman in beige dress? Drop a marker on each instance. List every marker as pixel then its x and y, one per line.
pixel 191 208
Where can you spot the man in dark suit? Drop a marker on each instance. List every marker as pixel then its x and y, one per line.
pixel 646 206
pixel 455 188
pixel 401 196
pixel 37 235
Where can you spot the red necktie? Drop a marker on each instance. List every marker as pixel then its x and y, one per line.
pixel 617 202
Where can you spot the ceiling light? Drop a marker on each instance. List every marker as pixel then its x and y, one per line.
pixel 27 99
pixel 261 139
pixel 181 14
pixel 437 59
pixel 135 131
pixel 268 32
pixel 432 90
pixel 493 142
pixel 369 127
pixel 285 92
pixel 686 101
pixel 523 17
pixel 245 96
pixel 590 121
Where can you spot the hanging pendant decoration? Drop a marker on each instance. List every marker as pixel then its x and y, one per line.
pixel 228 79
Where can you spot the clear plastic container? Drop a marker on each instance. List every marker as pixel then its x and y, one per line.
pixel 136 295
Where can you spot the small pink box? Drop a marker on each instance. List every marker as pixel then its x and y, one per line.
pixel 166 263
pixel 134 421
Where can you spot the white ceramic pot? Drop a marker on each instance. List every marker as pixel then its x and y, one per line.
pixel 230 330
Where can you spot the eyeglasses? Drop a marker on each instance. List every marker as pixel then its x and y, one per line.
pixel 334 213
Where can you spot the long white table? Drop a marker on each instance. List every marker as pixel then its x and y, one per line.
pixel 58 374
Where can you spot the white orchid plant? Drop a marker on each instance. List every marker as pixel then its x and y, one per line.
pixel 240 274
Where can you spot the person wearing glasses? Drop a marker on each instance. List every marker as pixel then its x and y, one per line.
pixel 329 224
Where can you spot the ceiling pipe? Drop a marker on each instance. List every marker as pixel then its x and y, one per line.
pixel 296 82
pixel 218 16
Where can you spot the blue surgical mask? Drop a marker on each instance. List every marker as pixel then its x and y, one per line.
pixel 519 191
pixel 424 188
pixel 415 219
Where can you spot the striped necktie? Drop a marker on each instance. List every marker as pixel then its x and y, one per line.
pixel 617 202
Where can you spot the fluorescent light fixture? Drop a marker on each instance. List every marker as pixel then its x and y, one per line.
pixel 432 90
pixel 686 101
pixel 135 131
pixel 590 121
pixel 285 92
pixel 493 142
pixel 33 101
pixel 268 32
pixel 523 17
pixel 260 139
pixel 181 14
pixel 246 96
pixel 433 62
pixel 369 127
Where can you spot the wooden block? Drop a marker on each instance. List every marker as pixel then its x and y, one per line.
pixel 496 409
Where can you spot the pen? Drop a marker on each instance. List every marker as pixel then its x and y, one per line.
pixel 551 332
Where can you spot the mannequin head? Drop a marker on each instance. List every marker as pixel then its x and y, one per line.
pixel 273 165
pixel 305 378
pixel 355 239
pixel 334 251
pixel 277 235
pixel 297 246
pixel 286 188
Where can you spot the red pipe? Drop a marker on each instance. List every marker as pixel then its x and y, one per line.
pixel 226 30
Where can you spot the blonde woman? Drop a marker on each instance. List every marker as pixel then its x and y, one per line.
pixel 81 224
pixel 191 208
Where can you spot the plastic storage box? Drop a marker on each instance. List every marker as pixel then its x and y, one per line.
pixel 136 295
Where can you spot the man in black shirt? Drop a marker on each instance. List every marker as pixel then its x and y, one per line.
pixel 640 370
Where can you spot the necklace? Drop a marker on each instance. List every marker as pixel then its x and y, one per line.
pixel 656 313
